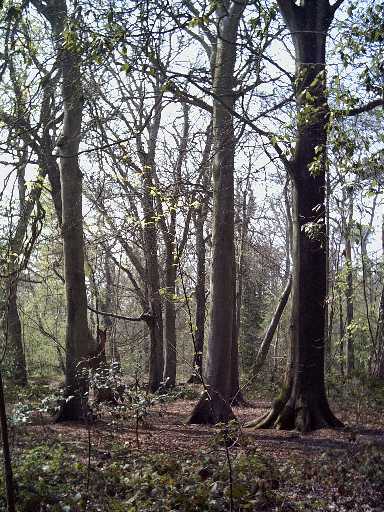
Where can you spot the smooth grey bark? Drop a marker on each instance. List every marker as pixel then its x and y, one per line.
pixel 303 403
pixel 214 406
pixel 78 340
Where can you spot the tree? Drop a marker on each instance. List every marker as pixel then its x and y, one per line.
pixel 303 403
pixel 78 339
pixel 348 233
pixel 213 406
pixel 25 137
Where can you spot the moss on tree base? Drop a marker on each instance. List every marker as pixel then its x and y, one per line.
pixel 304 413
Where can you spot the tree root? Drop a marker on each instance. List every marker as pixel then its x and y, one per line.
pixel 210 410
pixel 304 415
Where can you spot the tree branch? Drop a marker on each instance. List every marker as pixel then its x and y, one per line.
pixel 336 5
pixel 146 317
pixel 360 110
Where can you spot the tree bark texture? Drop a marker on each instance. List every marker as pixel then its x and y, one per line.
pixel 213 407
pixel 78 339
pixel 303 404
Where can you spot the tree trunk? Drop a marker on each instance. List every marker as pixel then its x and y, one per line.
pixel 328 310
pixel 200 290
pixel 156 358
pixel 303 403
pixel 14 336
pixel 350 359
pixel 268 336
pixel 18 247
pixel 150 232
pixel 214 406
pixel 200 298
pixel 341 334
pixel 236 395
pixel 170 320
pixel 78 340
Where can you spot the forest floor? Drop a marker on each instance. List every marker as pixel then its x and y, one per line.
pixel 160 463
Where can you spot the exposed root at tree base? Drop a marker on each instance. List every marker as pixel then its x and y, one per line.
pixel 304 416
pixel 73 409
pixel 210 410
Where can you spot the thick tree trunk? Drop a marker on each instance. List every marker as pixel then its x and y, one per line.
pixel 78 340
pixel 303 403
pixel 214 404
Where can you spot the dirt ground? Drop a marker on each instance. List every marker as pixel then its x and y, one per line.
pixel 304 456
